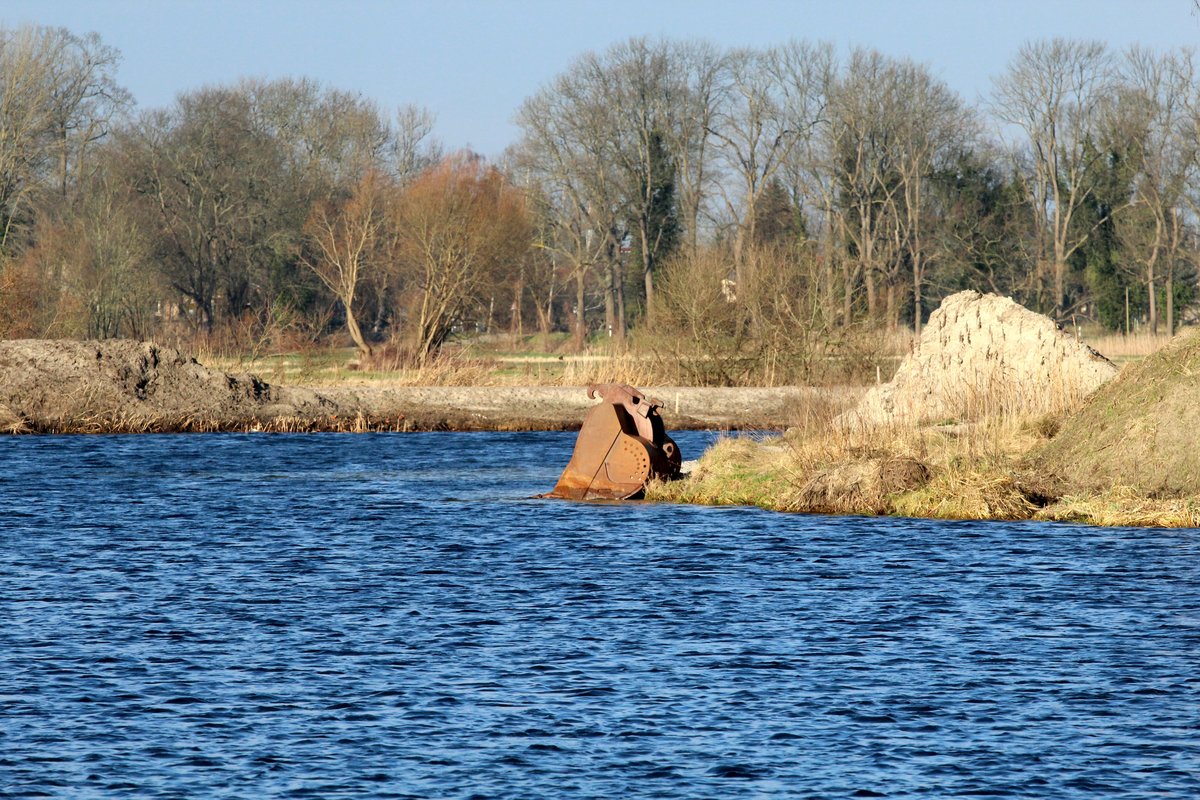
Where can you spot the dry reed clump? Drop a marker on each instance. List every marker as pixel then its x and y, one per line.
pixel 630 368
pixel 964 471
pixel 815 410
pixel 969 468
pixel 402 367
pixel 734 471
pixel 1124 506
pixel 863 486
pixel 1123 347
pixel 11 422
pixel 446 372
pixel 967 492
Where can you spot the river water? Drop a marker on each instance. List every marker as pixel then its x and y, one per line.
pixel 390 616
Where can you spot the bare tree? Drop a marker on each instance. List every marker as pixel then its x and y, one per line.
pixel 561 223
pixel 625 108
pixel 932 129
pixel 640 86
pixel 345 241
pixel 110 271
pixel 85 98
pixel 215 188
pixel 25 122
pixel 329 138
pixel 460 228
pixel 413 146
pixel 57 96
pixel 1053 93
pixel 1158 113
pixel 567 146
pixel 700 67
pixel 772 100
pixel 862 133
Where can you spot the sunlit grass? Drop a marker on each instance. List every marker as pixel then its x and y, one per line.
pixel 641 359
pixel 734 471
pixel 1124 507
pixel 949 471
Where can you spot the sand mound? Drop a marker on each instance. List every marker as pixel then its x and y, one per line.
pixel 982 355
pixel 126 385
pixel 1137 432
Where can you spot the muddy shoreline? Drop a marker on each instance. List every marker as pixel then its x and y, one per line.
pixel 526 408
pixel 54 386
pixel 531 408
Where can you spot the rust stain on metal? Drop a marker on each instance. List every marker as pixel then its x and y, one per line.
pixel 621 446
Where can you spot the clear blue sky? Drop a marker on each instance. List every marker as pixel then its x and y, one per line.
pixel 472 62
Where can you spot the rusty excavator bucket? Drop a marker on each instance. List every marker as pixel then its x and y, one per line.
pixel 621 446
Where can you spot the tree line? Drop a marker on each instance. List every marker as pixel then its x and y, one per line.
pixel 754 203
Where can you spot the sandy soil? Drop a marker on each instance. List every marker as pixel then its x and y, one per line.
pixel 980 355
pixel 562 408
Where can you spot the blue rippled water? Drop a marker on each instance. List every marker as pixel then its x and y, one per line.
pixel 389 616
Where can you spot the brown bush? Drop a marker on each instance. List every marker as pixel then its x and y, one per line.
pixel 18 301
pixel 771 330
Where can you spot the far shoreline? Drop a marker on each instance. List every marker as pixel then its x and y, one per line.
pixel 125 386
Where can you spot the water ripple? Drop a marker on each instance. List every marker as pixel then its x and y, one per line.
pixel 390 616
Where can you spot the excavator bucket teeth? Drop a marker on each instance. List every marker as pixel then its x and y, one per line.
pixel 620 447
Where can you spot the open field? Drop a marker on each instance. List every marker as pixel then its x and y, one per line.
pixel 507 360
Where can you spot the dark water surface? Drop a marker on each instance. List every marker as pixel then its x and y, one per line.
pixel 389 616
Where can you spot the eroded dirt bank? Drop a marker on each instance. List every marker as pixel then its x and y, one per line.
pixel 53 386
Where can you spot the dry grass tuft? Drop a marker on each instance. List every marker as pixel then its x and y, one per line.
pixel 734 471
pixel 1125 507
pixel 966 493
pixel 11 422
pixel 963 471
pixel 1119 347
pixel 445 372
pixel 860 487
pixel 630 368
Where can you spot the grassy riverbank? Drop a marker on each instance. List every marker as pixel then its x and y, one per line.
pixel 996 414
pixel 954 471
